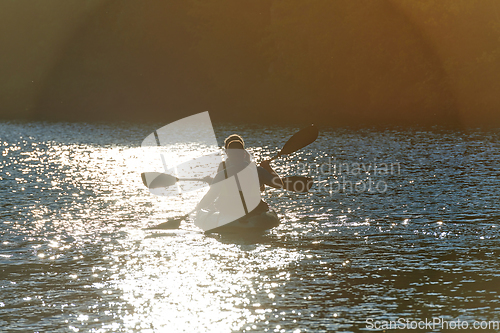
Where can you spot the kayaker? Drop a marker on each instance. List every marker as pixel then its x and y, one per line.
pixel 238 159
pixel 267 176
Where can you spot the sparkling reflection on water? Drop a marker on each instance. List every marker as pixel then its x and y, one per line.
pixel 74 255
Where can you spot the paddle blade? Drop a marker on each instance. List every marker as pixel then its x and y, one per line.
pixel 173 223
pixel 157 179
pixel 299 140
pixel 298 184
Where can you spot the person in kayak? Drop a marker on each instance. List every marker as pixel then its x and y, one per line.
pixel 237 160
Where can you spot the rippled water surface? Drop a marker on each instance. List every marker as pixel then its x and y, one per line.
pixel 399 224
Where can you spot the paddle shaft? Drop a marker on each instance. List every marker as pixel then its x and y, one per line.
pixel 192 180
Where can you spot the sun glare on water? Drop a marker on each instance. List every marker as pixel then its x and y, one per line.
pixel 182 280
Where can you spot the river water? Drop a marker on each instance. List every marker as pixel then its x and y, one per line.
pixel 400 225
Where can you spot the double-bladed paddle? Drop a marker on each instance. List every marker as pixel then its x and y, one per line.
pixel 298 141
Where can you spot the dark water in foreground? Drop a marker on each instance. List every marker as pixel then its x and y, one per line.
pixel 416 239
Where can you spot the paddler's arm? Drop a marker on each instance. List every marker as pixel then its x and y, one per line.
pixel 212 193
pixel 210 180
pixel 271 178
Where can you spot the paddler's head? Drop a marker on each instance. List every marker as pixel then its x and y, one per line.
pixel 235 146
pixel 232 138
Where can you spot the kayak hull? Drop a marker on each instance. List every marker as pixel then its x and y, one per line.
pixel 254 223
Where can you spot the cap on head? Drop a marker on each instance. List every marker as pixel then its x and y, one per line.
pixel 234 141
pixel 234 145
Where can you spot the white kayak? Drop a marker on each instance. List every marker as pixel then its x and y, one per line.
pixel 254 222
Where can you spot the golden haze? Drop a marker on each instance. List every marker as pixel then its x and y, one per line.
pixel 336 62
